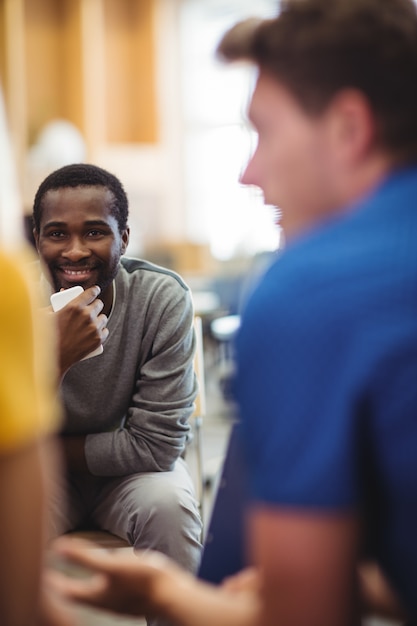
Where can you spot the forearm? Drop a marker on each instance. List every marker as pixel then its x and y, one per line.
pixel 149 446
pixel 22 523
pixel 190 602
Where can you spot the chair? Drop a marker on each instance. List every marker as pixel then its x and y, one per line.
pixel 199 410
pixel 224 330
pixel 105 539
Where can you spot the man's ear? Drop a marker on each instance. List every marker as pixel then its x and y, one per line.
pixel 36 238
pixel 353 125
pixel 125 239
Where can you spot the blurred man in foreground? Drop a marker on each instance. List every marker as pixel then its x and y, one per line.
pixel 29 418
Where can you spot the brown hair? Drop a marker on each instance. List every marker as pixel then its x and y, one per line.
pixel 318 47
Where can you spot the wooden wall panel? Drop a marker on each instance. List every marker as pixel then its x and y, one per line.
pixel 72 60
pixel 14 77
pixel 130 71
pixel 53 62
pixel 91 62
pixel 3 75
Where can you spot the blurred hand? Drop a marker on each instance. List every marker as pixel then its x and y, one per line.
pixel 123 583
pixel 248 580
pixel 54 611
pixel 148 583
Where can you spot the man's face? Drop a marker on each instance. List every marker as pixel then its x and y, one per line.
pixel 292 161
pixel 79 239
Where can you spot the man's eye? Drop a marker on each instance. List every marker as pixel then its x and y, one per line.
pixel 55 234
pixel 94 233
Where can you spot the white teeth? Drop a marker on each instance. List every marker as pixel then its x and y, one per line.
pixel 76 272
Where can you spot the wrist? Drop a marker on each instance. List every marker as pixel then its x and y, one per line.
pixel 172 587
pixel 74 453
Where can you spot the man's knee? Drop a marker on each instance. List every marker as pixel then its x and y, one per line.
pixel 167 519
pixel 167 505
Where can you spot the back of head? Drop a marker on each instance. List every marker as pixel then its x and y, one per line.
pixel 83 175
pixel 319 47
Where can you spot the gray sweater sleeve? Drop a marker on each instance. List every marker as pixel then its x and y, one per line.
pixel 162 399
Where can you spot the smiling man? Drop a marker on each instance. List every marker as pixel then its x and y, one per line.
pixel 126 410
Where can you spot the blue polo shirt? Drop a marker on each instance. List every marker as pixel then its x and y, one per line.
pixel 327 375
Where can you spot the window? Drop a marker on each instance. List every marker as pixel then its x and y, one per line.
pixel 218 141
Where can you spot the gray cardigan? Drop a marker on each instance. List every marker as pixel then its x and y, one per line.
pixel 134 400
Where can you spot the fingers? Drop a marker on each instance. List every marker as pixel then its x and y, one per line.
pixel 54 610
pixel 121 583
pixel 87 590
pixel 89 295
pixel 95 307
pixel 89 299
pixel 87 554
pixel 82 552
pixel 87 585
pixel 102 328
pixel 245 580
pixel 82 317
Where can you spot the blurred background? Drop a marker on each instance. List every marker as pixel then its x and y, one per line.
pixel 134 86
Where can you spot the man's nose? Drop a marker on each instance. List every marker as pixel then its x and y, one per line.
pixel 248 176
pixel 76 249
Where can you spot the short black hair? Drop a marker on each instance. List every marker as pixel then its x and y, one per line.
pixel 84 175
pixel 318 47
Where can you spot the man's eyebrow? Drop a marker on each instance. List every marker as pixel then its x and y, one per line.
pixel 89 223
pixel 54 224
pixel 96 223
